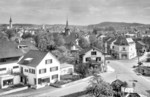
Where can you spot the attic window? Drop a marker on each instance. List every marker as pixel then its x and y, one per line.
pixel 27 61
pixel 22 46
pixel 93 53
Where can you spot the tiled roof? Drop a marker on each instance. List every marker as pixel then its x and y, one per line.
pixel 133 95
pixel 86 50
pixel 30 46
pixel 121 40
pixel 9 49
pixel 36 57
pixel 110 40
pixel 141 43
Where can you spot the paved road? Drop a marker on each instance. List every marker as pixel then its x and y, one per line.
pixel 123 69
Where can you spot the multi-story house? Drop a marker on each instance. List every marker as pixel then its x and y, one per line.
pixel 39 69
pixel 9 56
pixel 94 57
pixel 124 48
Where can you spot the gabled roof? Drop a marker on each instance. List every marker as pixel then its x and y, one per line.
pixel 88 49
pixel 36 57
pixel 9 49
pixel 141 43
pixel 121 40
pixel 110 40
pixel 133 95
pixel 29 44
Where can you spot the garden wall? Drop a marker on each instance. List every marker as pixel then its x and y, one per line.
pixel 72 83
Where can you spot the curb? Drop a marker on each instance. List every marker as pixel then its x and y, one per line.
pixel 14 90
pixel 71 83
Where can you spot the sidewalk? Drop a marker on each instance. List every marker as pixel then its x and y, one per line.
pixel 12 90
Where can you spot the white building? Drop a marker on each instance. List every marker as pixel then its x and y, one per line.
pixel 66 68
pixel 93 56
pixel 9 69
pixel 39 68
pixel 124 48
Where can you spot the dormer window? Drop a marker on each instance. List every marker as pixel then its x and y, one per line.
pixel 93 53
pixel 27 60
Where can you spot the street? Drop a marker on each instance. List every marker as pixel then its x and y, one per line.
pixel 123 71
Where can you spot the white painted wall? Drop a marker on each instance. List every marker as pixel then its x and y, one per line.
pixel 42 65
pixel 88 54
pixel 9 67
pixel 16 79
pixel 130 50
pixel 30 76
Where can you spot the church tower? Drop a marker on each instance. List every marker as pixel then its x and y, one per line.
pixel 10 23
pixel 67 30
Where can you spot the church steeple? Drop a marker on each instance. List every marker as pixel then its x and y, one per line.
pixel 67 30
pixel 10 23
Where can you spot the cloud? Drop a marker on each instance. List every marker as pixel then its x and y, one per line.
pixel 78 11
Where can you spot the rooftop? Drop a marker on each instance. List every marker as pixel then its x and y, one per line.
pixel 9 49
pixel 121 40
pixel 36 57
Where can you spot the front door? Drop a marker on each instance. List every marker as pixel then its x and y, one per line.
pixel 21 79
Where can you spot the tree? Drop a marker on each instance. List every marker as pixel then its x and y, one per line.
pixel 82 69
pixel 45 41
pixel 93 39
pixel 99 88
pixel 59 40
pixel 83 43
pixel 116 85
pixel 10 33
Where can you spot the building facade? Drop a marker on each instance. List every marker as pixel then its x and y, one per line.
pixel 39 69
pixel 94 57
pixel 124 48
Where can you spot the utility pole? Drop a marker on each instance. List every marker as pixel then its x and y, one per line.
pixel 105 52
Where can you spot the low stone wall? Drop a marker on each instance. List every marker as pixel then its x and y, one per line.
pixel 13 90
pixel 71 83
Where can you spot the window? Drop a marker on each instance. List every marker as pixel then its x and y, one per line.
pixel 87 59
pixel 7 82
pixel 15 67
pixel 26 70
pixel 113 47
pixel 93 53
pixel 42 71
pixel 53 69
pixel 123 48
pixel 2 69
pixel 55 76
pixel 98 58
pixel 49 61
pixel 32 71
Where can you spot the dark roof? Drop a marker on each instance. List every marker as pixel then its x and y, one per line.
pixel 134 95
pixel 36 56
pixel 9 49
pixel 121 40
pixel 29 44
pixel 141 43
pixel 106 38
pixel 110 40
pixel 86 50
pixel 117 81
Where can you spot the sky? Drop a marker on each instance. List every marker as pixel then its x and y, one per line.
pixel 78 12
